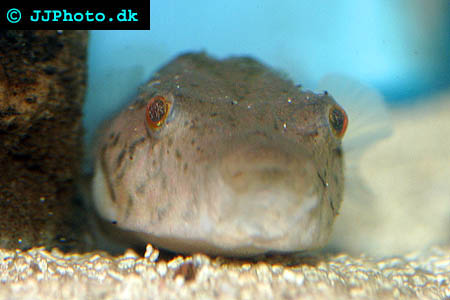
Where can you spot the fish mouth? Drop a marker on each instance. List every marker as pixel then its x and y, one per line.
pixel 269 199
pixel 270 217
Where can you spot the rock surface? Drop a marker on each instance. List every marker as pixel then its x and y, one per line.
pixel 42 83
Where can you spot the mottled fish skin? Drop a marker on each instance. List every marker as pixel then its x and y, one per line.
pixel 245 163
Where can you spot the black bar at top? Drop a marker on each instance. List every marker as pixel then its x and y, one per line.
pixel 123 18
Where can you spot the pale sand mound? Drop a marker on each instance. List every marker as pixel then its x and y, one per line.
pixel 408 176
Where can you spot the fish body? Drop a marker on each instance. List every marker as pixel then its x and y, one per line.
pixel 224 157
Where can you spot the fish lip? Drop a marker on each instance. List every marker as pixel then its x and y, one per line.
pixel 302 215
pixel 295 222
pixel 262 197
pixel 236 230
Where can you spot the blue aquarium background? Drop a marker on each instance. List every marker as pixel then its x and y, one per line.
pixel 402 47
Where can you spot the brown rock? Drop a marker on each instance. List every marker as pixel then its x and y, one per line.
pixel 42 84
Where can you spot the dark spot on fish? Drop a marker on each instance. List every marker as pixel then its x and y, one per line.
pixel 119 159
pixel 312 133
pixel 104 167
pixel 164 183
pixel 325 184
pixel 140 189
pixel 116 140
pixel 178 154
pixel 186 271
pixel 332 207
pixel 114 222
pixel 188 215
pixel 161 213
pixel 128 207
pixel 120 175
pixel 147 131
pixel 237 174
pixel 134 144
pixel 336 178
pixel 338 151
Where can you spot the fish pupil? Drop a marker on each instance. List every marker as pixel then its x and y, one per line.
pixel 338 120
pixel 157 111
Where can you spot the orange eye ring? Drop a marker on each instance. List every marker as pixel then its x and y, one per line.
pixel 157 111
pixel 338 120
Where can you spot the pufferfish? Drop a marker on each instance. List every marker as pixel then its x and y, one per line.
pixel 223 157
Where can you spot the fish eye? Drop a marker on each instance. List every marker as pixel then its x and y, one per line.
pixel 338 120
pixel 157 111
